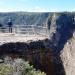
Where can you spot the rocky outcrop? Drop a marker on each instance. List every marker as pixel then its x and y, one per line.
pixel 68 56
pixel 62 27
pixel 23 18
pixel 38 53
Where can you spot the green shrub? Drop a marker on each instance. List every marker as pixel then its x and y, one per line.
pixel 6 69
pixel 29 70
pixel 20 67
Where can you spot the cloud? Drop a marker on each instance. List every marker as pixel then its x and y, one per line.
pixel 73 9
pixel 2 10
pixel 4 0
pixel 35 0
pixel 21 0
pixel 39 9
pixel 10 9
pixel 36 9
pixel 54 10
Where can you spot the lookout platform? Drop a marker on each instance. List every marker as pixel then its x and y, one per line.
pixel 23 33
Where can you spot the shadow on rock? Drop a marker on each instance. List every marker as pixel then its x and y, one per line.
pixel 65 27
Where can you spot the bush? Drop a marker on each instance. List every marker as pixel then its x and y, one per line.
pixel 6 69
pixel 29 70
pixel 19 67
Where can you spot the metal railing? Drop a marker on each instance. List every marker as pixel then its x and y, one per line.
pixel 25 29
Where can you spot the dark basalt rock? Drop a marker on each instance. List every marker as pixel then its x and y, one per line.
pixel 35 52
pixel 62 26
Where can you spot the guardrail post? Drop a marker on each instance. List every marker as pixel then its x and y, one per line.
pixel 27 30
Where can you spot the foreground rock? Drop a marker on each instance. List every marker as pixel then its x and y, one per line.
pixel 37 53
pixel 62 27
pixel 68 56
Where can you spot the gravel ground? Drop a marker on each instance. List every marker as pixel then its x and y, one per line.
pixel 11 37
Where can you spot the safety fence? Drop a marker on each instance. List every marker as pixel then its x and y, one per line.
pixel 25 29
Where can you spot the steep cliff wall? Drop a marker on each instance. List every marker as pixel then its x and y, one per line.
pixel 36 52
pixel 24 18
pixel 68 56
pixel 62 27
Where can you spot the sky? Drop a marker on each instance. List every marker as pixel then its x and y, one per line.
pixel 37 5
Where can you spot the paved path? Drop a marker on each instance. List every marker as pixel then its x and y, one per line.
pixel 8 37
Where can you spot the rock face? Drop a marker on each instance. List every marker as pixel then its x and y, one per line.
pixel 68 56
pixel 23 18
pixel 37 53
pixel 62 27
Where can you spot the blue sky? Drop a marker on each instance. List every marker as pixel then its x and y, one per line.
pixel 37 5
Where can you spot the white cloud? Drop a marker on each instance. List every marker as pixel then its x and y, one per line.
pixel 54 10
pixel 22 0
pixel 35 0
pixel 73 9
pixel 10 10
pixel 4 0
pixel 36 9
pixel 39 9
pixel 2 10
